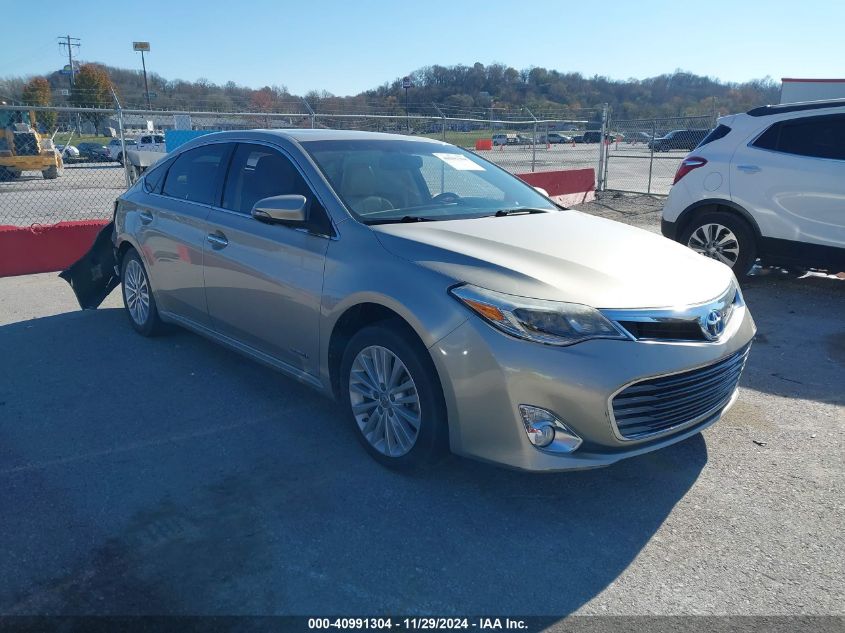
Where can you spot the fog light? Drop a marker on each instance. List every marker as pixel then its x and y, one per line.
pixel 545 430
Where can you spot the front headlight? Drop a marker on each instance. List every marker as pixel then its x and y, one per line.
pixel 549 322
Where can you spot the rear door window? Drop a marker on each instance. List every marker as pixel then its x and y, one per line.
pixel 196 174
pixel 816 136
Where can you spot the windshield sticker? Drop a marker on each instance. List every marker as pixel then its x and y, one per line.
pixel 459 162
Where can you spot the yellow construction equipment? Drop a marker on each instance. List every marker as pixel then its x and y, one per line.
pixel 22 148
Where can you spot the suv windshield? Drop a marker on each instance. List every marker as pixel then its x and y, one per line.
pixel 403 181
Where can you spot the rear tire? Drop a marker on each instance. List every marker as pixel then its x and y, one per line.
pixel 722 236
pixel 138 296
pixel 392 395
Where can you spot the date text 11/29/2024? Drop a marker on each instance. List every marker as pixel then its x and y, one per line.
pixel 418 623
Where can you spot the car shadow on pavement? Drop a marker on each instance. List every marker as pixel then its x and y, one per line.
pixel 171 476
pixel 799 350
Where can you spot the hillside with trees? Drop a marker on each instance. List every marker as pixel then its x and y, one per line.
pixel 476 91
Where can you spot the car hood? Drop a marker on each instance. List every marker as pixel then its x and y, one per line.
pixel 565 256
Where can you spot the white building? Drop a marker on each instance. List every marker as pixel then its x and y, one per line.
pixel 795 90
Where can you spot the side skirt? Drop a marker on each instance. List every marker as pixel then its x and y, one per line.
pixel 246 350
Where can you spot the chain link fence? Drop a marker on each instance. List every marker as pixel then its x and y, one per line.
pixel 91 171
pixel 644 154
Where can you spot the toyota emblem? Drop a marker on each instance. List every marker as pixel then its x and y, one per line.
pixel 713 325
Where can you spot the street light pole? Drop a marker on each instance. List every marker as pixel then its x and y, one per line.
pixel 144 47
pixel 406 83
pixel 146 87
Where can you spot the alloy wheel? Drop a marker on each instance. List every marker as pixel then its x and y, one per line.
pixel 385 401
pixel 716 242
pixel 137 292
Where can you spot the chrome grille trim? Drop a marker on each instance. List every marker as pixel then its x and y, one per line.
pixel 674 324
pixel 668 403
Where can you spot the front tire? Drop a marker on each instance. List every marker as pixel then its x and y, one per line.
pixel 51 173
pixel 138 296
pixel 393 397
pixel 724 237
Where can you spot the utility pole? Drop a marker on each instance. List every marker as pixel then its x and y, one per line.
pixel 70 42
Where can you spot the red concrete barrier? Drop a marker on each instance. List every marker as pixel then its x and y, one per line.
pixel 48 248
pixel 568 187
pixel 484 143
pixel 42 249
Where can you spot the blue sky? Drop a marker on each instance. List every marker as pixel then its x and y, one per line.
pixel 348 46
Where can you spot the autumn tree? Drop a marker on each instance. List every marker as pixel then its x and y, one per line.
pixel 37 92
pixel 92 88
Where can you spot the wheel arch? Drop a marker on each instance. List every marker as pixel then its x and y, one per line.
pixel 716 204
pixel 352 320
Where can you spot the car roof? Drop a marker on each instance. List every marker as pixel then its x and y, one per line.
pixel 796 107
pixel 296 136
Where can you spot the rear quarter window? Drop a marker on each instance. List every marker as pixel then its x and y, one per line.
pixel 815 136
pixel 720 131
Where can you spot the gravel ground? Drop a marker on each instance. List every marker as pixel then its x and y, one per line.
pixel 640 210
pixel 171 476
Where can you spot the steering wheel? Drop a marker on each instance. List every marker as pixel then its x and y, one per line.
pixel 372 204
pixel 447 197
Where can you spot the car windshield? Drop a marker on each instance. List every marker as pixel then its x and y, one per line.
pixel 406 180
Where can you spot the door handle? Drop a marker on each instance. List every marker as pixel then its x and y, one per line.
pixel 146 217
pixel 217 240
pixel 748 169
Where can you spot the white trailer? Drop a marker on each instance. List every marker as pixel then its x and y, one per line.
pixel 794 90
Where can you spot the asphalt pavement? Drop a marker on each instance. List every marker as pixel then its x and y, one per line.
pixel 171 476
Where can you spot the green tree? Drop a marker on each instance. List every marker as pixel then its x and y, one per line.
pixel 37 92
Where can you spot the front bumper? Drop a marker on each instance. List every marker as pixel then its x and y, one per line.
pixel 669 229
pixel 486 375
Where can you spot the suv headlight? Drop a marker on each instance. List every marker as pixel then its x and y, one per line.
pixel 549 322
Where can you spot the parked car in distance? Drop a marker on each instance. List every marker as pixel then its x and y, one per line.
pixel 151 143
pixel 678 139
pixel 68 152
pixel 766 184
pixel 443 302
pixel 632 138
pixel 556 138
pixel 116 148
pixel 94 152
pixel 508 139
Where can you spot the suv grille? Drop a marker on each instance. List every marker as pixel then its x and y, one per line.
pixel 660 404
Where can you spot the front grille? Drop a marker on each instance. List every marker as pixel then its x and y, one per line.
pixel 657 405
pixel 672 330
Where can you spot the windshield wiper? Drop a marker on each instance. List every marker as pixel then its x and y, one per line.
pixel 403 219
pixel 503 212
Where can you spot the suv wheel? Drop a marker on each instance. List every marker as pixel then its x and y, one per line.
pixel 393 397
pixel 724 237
pixel 138 296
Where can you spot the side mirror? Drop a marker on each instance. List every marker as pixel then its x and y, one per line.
pixel 281 210
pixel 542 191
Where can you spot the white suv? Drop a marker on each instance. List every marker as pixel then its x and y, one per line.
pixel 767 184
